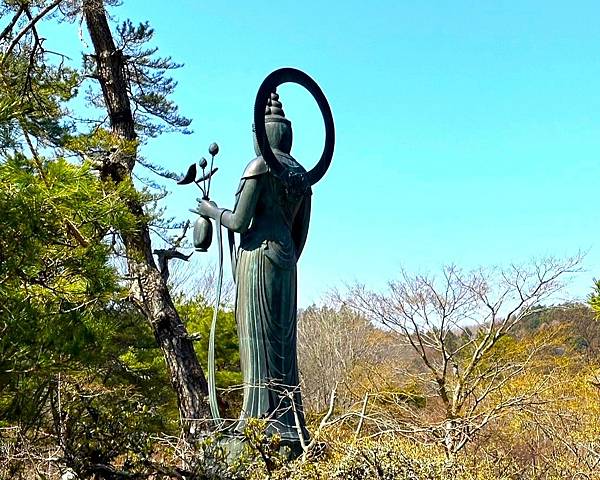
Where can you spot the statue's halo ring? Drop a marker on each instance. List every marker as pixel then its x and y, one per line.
pixel 269 85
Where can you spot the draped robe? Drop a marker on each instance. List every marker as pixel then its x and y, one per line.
pixel 265 305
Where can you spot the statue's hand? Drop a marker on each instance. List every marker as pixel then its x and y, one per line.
pixel 207 208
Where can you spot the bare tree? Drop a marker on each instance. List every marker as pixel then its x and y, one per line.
pixel 203 284
pixel 456 324
pixel 333 343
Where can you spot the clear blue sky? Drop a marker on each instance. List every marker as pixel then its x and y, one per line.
pixel 468 132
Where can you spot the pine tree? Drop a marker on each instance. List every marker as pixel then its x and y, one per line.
pixel 131 84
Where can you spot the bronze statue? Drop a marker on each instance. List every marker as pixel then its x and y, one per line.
pixel 271 213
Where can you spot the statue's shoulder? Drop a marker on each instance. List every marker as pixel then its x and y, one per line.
pixel 290 162
pixel 256 167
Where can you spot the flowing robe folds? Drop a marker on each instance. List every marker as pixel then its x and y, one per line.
pixel 265 306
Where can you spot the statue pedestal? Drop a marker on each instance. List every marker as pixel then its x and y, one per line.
pixel 236 446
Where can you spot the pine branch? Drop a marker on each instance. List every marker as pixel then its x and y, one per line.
pixel 11 24
pixel 27 27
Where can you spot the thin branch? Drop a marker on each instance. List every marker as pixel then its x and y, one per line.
pixel 27 27
pixel 12 23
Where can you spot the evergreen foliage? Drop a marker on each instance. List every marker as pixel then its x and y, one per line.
pixel 77 362
pixel 197 315
pixel 149 87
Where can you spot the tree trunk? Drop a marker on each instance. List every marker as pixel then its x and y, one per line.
pixel 149 289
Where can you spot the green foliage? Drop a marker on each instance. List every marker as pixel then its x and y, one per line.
pixel 102 423
pixel 250 455
pixel 594 298
pixel 387 458
pixel 74 357
pixel 32 100
pixel 98 142
pixel 79 366
pixel 55 216
pixel 197 315
pixel 149 85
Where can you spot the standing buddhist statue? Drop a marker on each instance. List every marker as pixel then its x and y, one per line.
pixel 271 213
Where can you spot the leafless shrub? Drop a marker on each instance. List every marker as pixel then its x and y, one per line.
pixel 334 345
pixel 459 325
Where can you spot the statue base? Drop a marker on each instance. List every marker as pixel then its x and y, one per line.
pixel 238 447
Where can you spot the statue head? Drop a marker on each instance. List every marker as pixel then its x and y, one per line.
pixel 279 128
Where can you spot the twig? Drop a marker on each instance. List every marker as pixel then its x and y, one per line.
pixel 12 23
pixel 362 416
pixel 27 27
